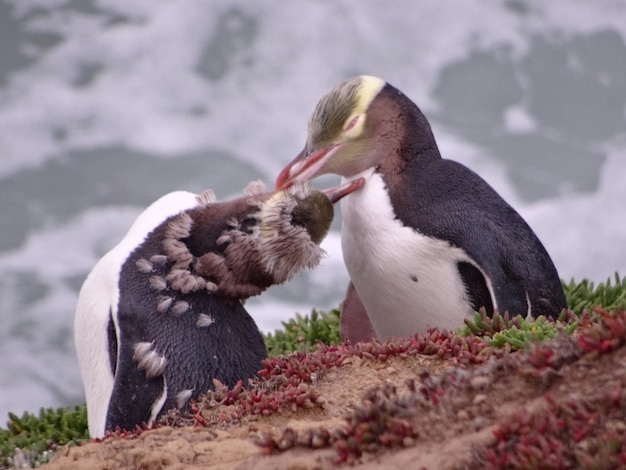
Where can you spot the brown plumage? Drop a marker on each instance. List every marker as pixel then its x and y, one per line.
pixel 245 245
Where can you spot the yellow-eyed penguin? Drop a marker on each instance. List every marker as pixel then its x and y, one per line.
pixel 426 241
pixel 161 315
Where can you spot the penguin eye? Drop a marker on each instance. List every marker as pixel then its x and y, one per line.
pixel 352 123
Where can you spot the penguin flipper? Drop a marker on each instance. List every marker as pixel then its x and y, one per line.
pixel 140 388
pixel 476 287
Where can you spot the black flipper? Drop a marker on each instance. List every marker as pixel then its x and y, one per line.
pixel 134 396
pixel 476 287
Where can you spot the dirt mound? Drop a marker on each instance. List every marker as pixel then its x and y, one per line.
pixel 434 401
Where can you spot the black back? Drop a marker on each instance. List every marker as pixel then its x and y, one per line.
pixel 229 350
pixel 446 200
pixel 451 202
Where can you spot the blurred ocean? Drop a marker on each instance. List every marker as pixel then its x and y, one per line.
pixel 107 104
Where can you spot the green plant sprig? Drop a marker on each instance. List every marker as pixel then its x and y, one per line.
pixel 36 435
pixel 303 332
pixel 585 295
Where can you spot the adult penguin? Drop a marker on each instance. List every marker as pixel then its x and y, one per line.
pixel 161 315
pixel 426 241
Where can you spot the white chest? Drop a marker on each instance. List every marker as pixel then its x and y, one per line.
pixel 406 281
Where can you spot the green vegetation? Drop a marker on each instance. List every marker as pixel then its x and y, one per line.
pixel 36 436
pixel 303 332
pixel 517 332
pixel 607 295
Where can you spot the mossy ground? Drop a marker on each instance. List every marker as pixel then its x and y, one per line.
pixel 38 436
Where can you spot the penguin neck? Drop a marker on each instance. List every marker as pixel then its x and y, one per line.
pixel 224 248
pixel 367 173
pixel 407 143
pixel 211 221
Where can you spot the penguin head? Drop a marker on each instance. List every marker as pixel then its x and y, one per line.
pixel 314 212
pixel 291 225
pixel 356 126
pixel 338 139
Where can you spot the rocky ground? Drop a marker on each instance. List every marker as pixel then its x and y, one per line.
pixel 435 401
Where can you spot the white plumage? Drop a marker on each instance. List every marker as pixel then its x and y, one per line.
pixel 393 266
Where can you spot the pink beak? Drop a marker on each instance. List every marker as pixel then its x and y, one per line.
pixel 337 192
pixel 305 166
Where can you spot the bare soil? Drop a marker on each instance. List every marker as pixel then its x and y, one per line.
pixel 453 431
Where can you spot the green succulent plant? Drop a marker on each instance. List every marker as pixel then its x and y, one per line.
pixel 584 295
pixel 518 331
pixel 37 435
pixel 303 332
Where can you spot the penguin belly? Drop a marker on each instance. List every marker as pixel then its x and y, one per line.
pixel 407 281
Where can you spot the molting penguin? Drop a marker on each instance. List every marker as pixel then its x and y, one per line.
pixel 161 315
pixel 426 241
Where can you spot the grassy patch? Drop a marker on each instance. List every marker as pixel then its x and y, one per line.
pixel 303 332
pixel 37 436
pixel 584 295
pixel 517 332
